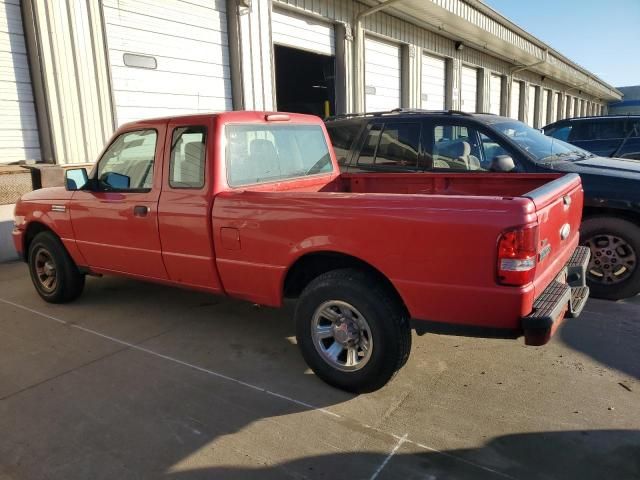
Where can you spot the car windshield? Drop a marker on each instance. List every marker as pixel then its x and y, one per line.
pixel 544 149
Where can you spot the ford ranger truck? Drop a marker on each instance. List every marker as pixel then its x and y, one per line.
pixel 252 205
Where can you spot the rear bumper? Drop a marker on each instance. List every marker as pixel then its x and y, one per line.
pixel 564 297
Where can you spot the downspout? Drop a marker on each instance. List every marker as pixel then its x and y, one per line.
pixel 358 52
pixel 513 70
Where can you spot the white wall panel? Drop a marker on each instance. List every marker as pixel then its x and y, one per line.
pixel 189 43
pixel 468 88
pixel 495 94
pixel 302 32
pixel 18 125
pixel 514 109
pixel 433 82
pixel 381 75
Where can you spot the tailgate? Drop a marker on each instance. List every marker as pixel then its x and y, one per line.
pixel 559 211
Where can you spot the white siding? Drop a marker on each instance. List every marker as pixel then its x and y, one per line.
pixel 531 106
pixel 381 75
pixel 515 100
pixel 190 45
pixel 545 108
pixel 304 33
pixel 468 89
pixel 433 82
pixel 495 94
pixel 18 126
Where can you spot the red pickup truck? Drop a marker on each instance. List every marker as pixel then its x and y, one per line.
pixel 252 205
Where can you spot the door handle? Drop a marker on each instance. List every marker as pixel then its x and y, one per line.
pixel 140 210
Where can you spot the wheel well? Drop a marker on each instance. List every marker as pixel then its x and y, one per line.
pixel 33 229
pixel 312 265
pixel 632 216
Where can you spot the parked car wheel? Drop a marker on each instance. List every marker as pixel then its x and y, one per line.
pixel 613 271
pixel 53 272
pixel 351 330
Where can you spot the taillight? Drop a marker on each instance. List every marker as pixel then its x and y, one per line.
pixel 517 255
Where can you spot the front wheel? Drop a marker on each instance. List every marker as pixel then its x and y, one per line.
pixel 53 272
pixel 352 331
pixel 613 271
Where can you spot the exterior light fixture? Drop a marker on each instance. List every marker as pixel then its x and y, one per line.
pixel 459 46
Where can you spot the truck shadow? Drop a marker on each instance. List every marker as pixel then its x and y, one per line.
pixel 611 338
pixel 590 454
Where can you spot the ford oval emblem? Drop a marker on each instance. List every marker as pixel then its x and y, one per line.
pixel 565 231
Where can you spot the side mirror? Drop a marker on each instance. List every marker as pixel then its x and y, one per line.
pixel 76 178
pixel 502 163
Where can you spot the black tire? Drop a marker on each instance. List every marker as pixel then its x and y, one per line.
pixel 68 281
pixel 626 284
pixel 386 318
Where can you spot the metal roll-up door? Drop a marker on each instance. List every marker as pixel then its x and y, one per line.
pixel 301 32
pixel 531 106
pixel 468 89
pixel 381 75
pixel 545 107
pixel 515 101
pixel 433 82
pixel 167 58
pixel 18 128
pixel 495 94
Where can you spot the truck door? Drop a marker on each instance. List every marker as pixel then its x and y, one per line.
pixel 116 224
pixel 185 204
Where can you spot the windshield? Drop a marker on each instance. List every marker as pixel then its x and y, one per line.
pixel 543 148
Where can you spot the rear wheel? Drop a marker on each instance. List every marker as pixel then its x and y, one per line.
pixel 53 272
pixel 352 331
pixel 613 271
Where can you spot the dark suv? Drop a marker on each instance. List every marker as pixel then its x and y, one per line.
pixel 614 136
pixel 452 141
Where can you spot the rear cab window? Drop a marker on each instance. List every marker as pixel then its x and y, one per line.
pixel 259 153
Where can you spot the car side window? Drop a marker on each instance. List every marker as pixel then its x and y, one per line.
pixel 455 147
pixel 342 137
pixel 562 133
pixel 394 145
pixel 128 162
pixel 187 161
pixel 608 130
pixel 463 148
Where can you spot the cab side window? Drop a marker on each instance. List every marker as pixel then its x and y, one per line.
pixel 187 162
pixel 128 162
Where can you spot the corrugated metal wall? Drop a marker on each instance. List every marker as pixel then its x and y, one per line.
pixel 74 76
pixel 397 29
pixel 18 126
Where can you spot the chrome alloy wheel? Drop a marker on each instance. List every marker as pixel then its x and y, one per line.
pixel 45 269
pixel 613 260
pixel 341 335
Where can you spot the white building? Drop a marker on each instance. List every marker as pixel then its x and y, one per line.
pixel 71 71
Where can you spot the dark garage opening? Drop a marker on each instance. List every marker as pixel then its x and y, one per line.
pixel 305 81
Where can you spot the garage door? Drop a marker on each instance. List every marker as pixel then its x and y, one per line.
pixel 468 89
pixel 495 94
pixel 514 109
pixel 381 75
pixel 433 82
pixel 302 32
pixel 531 107
pixel 18 127
pixel 167 58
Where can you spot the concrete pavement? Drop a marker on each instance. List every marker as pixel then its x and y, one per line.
pixel 143 381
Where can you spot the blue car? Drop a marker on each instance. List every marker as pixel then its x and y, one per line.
pixel 609 136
